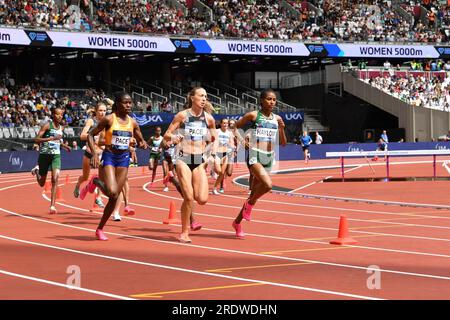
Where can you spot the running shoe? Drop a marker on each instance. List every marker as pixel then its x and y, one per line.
pixel 100 235
pixel 99 202
pixel 128 211
pixel 238 229
pixel 184 239
pixel 215 192
pixel 195 226
pixel 116 217
pixel 35 170
pixel 76 191
pixel 168 177
pixel 53 210
pixel 166 189
pixel 247 210
pixel 221 190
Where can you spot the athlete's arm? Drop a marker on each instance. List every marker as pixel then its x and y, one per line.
pixel 84 133
pixel 138 135
pixel 214 141
pixel 175 124
pixel 41 133
pixel 105 123
pixel 248 117
pixel 281 132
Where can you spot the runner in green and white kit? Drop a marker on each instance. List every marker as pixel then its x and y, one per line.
pixel 266 128
pixel 155 152
pixel 50 140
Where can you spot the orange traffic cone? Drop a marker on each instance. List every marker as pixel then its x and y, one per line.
pixel 95 207
pixel 343 235
pixel 58 194
pixel 67 179
pixel 172 213
pixel 47 186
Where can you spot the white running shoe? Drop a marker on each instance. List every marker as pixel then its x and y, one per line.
pixel 116 217
pixel 35 170
pixel 166 189
pixel 215 192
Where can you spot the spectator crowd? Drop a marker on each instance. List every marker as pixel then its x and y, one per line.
pixel 358 20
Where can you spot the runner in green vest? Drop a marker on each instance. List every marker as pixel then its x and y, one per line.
pixel 50 140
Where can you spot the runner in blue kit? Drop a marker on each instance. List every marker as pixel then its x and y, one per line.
pixel 120 131
pixel 266 128
pixel 305 141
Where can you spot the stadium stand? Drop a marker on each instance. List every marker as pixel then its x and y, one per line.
pixel 361 20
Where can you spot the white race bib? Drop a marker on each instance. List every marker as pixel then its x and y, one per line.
pixel 120 142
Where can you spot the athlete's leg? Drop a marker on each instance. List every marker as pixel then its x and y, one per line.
pixel 260 186
pixel 55 178
pixel 84 176
pixel 111 186
pixel 185 179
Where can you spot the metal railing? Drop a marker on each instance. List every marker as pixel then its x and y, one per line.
pixel 228 88
pixel 214 99
pixel 284 107
pixel 115 85
pixel 232 98
pixel 233 108
pixel 150 85
pixel 139 97
pixel 177 98
pixel 248 97
pixel 168 86
pixel 211 88
pixel 137 87
pixel 157 97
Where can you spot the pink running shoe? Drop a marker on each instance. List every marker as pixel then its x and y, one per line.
pixel 100 235
pixel 238 228
pixel 168 177
pixel 128 211
pixel 91 185
pixel 84 192
pixel 195 226
pixel 247 210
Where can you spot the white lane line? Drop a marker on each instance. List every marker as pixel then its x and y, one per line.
pixel 229 250
pixel 162 266
pixel 57 284
pixel 243 252
pixel 313 183
pixel 445 165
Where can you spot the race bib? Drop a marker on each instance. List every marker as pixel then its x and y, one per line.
pixel 196 131
pixel 265 134
pixel 155 149
pixel 121 140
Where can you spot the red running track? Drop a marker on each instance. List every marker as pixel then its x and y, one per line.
pixel 285 255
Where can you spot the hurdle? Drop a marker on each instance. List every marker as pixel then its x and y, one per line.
pixel 387 154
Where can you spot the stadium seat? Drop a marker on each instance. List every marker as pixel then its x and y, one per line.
pixel 13 132
pixel 19 132
pixel 6 133
pixel 32 133
pixel 1 134
pixel 69 132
